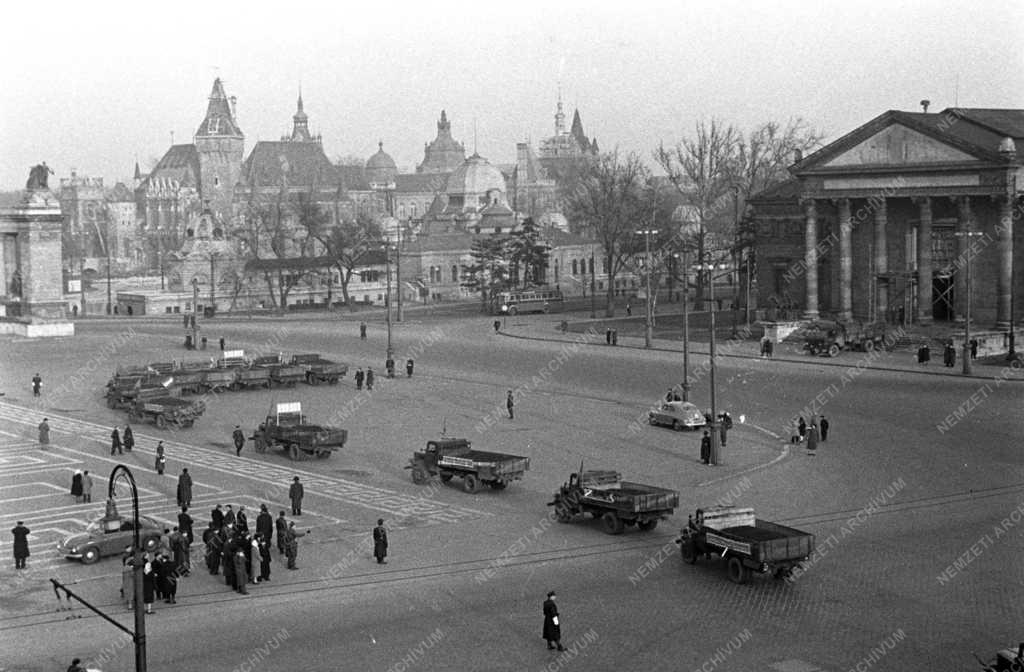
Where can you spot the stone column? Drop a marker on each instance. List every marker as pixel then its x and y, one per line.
pixel 963 243
pixel 845 260
pixel 811 258
pixel 924 262
pixel 1004 248
pixel 881 263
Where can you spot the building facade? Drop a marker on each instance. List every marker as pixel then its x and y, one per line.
pixel 889 221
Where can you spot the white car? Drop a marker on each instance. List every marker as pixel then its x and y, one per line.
pixel 678 415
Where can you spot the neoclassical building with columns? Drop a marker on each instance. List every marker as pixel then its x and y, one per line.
pixel 887 222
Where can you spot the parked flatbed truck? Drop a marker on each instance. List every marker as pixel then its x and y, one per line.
pixel 618 503
pixel 165 410
pixel 320 370
pixel 286 427
pixel 747 543
pixel 449 457
pixel 281 372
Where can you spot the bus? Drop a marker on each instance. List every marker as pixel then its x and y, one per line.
pixel 539 300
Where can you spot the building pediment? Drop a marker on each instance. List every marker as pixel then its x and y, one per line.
pixel 897 145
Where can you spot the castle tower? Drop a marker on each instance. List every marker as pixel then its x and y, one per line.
pixel 220 145
pixel 300 125
pixel 559 116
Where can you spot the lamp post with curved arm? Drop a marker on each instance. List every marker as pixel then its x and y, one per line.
pixel 122 472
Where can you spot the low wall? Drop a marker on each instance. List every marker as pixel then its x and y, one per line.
pixel 37 329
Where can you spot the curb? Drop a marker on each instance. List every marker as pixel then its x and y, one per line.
pixel 819 361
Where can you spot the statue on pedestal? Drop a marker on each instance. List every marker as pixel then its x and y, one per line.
pixel 38 177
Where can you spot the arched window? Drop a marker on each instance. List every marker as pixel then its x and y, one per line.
pixel 413 206
pixel 575 269
pixel 455 273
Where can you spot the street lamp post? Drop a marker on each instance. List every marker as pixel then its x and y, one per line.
pixel 593 285
pixel 106 244
pixel 398 272
pixel 387 299
pixel 649 326
pixel 121 471
pixel 715 447
pixel 968 234
pixel 686 326
pixel 81 268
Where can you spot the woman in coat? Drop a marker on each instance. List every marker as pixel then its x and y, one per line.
pixel 552 628
pixel 76 485
pixel 149 579
pixel 115 442
pixel 129 438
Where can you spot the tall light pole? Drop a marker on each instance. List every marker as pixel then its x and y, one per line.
pixel 81 266
pixel 398 271
pixel 387 300
pixel 686 325
pixel 593 284
pixel 715 447
pixel 649 326
pixel 106 244
pixel 121 471
pixel 968 234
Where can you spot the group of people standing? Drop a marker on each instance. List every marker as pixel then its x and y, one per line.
pixel 161 569
pixel 244 553
pixel 81 486
pixel 118 444
pixel 813 433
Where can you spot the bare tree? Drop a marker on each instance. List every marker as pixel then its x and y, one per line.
pixel 606 194
pixel 347 242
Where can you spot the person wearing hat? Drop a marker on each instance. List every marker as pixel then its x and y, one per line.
pixel 265 524
pixel 380 542
pixel 238 436
pixel 295 493
pixel 44 432
pixel 291 544
pixel 76 666
pixel 552 627
pixel 21 553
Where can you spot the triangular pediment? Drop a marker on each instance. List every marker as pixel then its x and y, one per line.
pixel 898 145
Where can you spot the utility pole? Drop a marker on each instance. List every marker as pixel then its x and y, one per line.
pixel 593 285
pixel 686 325
pixel 649 326
pixel 968 234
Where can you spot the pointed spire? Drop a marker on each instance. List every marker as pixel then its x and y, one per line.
pixel 300 123
pixel 220 118
pixel 138 173
pixel 559 114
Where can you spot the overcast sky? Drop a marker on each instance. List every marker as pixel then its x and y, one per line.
pixel 93 86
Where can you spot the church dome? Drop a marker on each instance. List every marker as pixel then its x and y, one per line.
pixel 381 168
pixel 475 178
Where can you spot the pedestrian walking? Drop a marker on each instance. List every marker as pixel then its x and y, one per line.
pixel 20 533
pixel 380 542
pixel 295 494
pixel 705 448
pixel 86 487
pixel 823 426
pixel 952 355
pixel 801 428
pixel 408 368
pixel 238 436
pixel 241 575
pixel 608 336
pixel 497 326
pixel 974 348
pixel 510 404
pixel 161 461
pixel 369 378
pixel 264 550
pixel 221 343
pixel 764 346
pixel 923 354
pixel 629 310
pixel 184 488
pixel 723 429
pixel 615 336
pixel 115 443
pixel 167 575
pixel 44 432
pixel 770 348
pixel 185 524
pixel 37 385
pixel 389 367
pixel 281 526
pixel 362 330
pixel 76 486
pixel 129 438
pixel 360 376
pixel 291 548
pixel 552 627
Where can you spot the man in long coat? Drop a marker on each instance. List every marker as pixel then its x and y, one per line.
pixel 380 542
pixel 217 517
pixel 44 432
pixel 241 576
pixel 812 437
pixel 238 436
pixel 295 493
pixel 552 627
pixel 705 448
pixel 265 524
pixel 823 426
pixel 21 553
pixel 37 383
pixel 129 438
pixel 214 547
pixel 184 488
pixel 281 524
pixel 242 521
pixel 86 487
pixel 291 544
pixel 115 443
pixel 185 523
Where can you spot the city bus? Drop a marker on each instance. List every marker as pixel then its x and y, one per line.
pixel 539 300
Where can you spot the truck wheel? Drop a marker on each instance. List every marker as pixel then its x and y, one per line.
pixel 161 422
pixel 833 350
pixel 563 514
pixel 813 350
pixel 150 544
pixel 446 476
pixel 471 484
pixel 323 454
pixel 419 476
pixel 688 551
pixel 647 525
pixel 737 572
pixel 612 523
pixel 869 345
pixel 90 555
pixel 677 426
pixel 312 380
